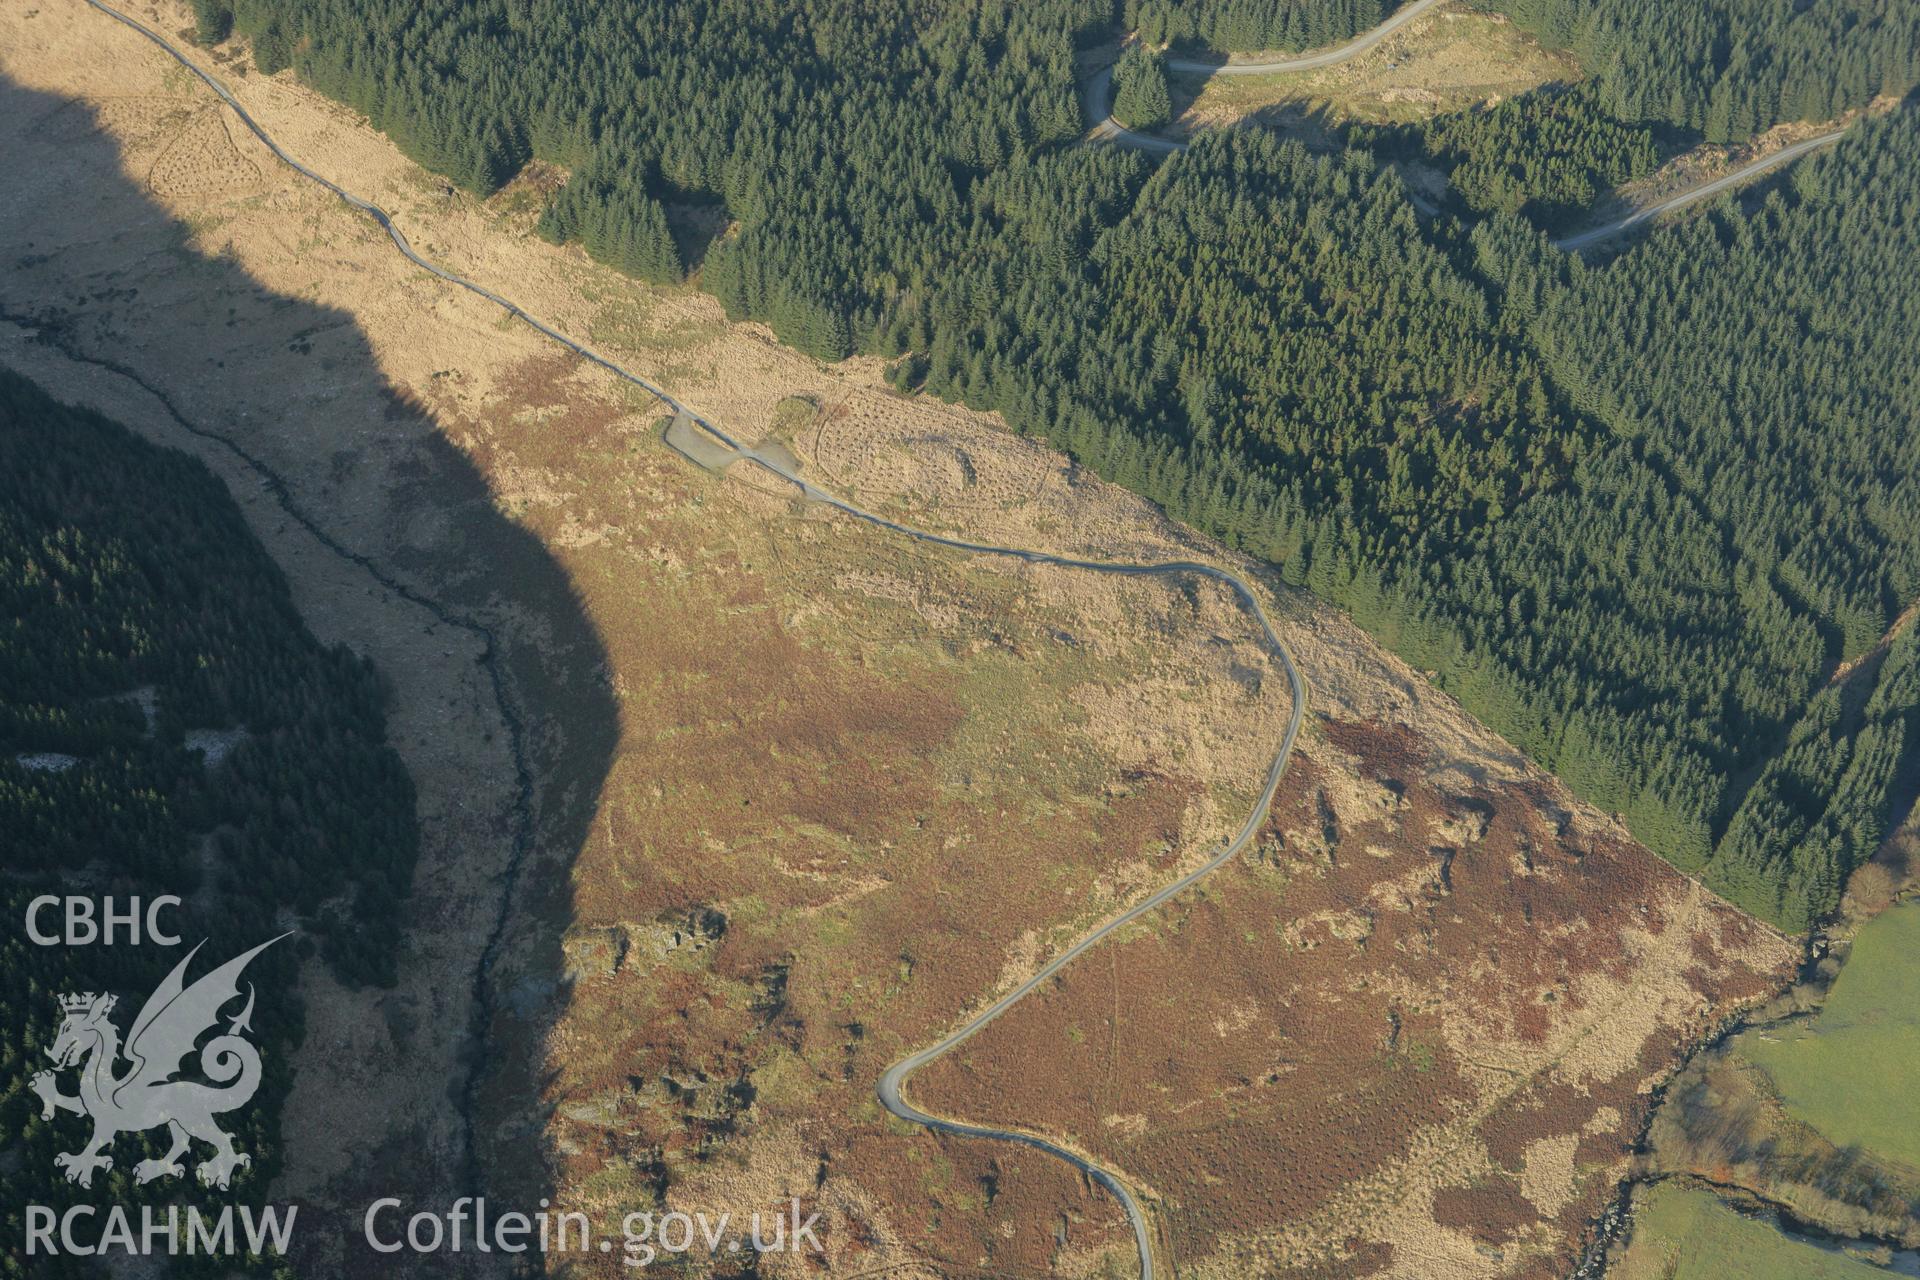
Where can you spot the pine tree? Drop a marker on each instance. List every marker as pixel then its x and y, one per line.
pixel 212 21
pixel 1140 96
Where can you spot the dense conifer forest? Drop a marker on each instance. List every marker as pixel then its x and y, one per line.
pixel 1248 25
pixel 1552 154
pixel 1632 514
pixel 1141 99
pixel 1755 370
pixel 139 607
pixel 1729 68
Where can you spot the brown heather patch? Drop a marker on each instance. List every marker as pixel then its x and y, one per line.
pixel 1492 1212
pixel 1542 1110
pixel 1363 1258
pixel 1392 750
pixel 983 1211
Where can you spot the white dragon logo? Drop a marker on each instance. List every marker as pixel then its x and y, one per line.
pixel 173 1018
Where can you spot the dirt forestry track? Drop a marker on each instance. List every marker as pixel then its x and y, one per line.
pixel 1099 92
pixel 1312 61
pixel 1752 169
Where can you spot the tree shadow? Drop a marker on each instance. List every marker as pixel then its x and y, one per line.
pixel 1309 120
pixel 1184 89
pixel 287 400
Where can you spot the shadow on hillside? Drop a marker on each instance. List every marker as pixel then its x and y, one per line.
pixel 109 278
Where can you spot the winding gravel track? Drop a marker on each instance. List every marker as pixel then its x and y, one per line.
pixel 893 1081
pixel 896 1075
pixel 1099 86
pixel 1734 179
pixel 1311 61
pixel 1097 97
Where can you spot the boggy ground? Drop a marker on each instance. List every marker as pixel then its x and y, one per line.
pixel 845 787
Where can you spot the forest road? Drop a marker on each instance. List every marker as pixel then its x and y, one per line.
pixel 1097 92
pixel 1684 198
pixel 894 1079
pixel 892 1082
pixel 896 1076
pixel 1310 61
